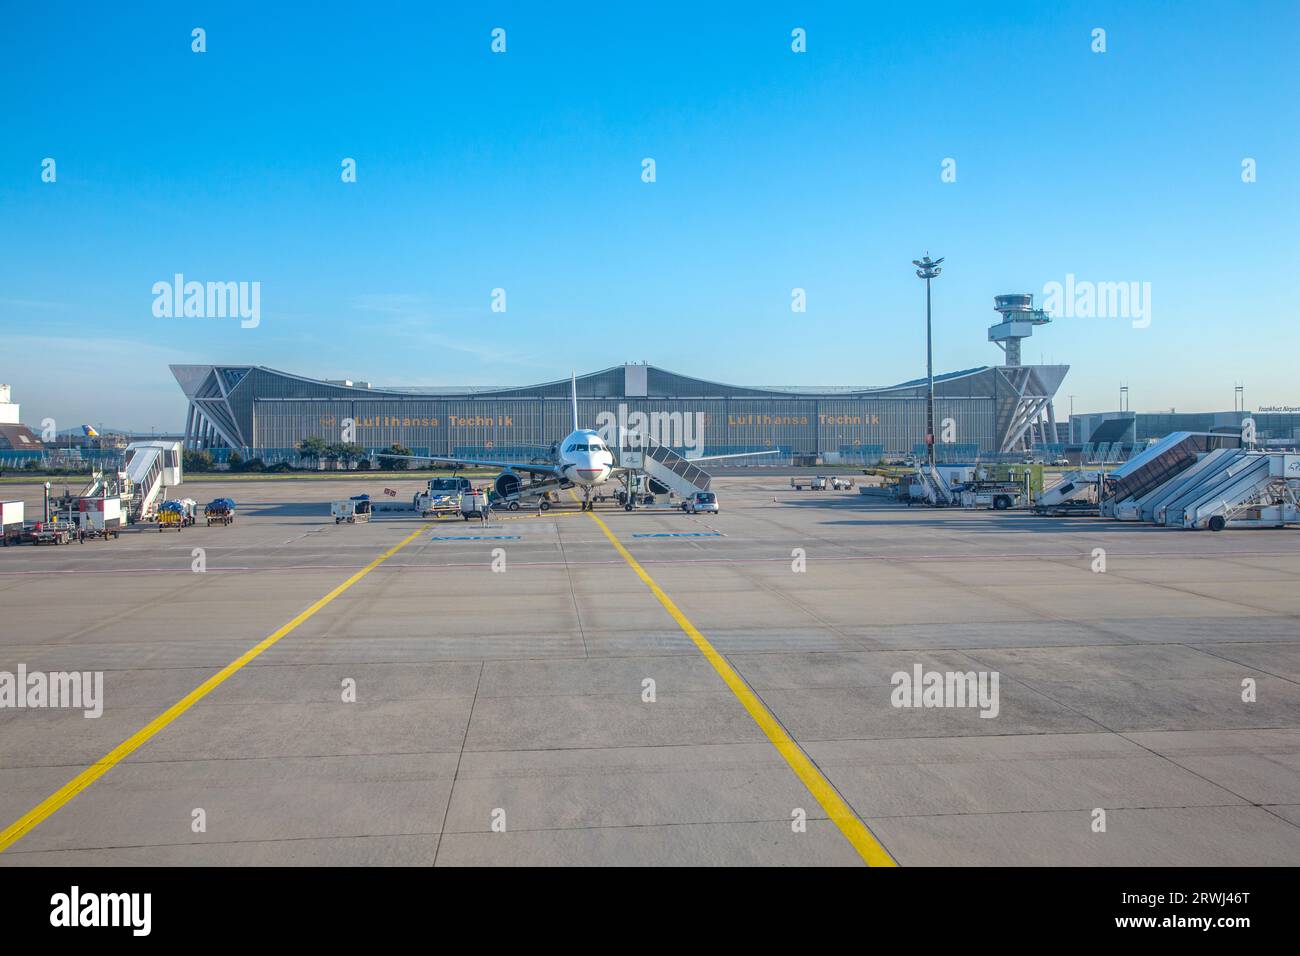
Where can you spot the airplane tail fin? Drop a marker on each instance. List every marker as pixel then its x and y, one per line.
pixel 573 387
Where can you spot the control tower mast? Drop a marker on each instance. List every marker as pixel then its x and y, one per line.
pixel 1018 320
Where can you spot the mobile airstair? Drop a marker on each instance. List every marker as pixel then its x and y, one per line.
pixel 1151 506
pixel 1156 465
pixel 934 489
pixel 1245 489
pixel 150 467
pixel 667 470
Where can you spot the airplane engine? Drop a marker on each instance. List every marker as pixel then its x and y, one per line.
pixel 507 484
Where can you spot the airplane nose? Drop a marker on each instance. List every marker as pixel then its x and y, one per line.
pixel 588 470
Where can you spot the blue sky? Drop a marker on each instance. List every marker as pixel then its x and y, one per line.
pixel 522 171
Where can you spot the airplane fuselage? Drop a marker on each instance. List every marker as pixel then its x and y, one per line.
pixel 584 458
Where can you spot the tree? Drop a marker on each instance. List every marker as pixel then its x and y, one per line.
pixel 346 452
pixel 351 453
pixel 312 449
pixel 192 460
pixel 395 464
pixel 235 461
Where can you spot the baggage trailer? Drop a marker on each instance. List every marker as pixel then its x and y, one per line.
pixel 220 511
pixel 50 532
pixel 817 483
pixel 100 517
pixel 11 521
pixel 176 513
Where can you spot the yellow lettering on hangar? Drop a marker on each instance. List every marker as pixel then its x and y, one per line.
pixel 767 420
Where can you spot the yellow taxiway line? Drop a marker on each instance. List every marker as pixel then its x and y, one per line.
pixel 854 830
pixel 51 804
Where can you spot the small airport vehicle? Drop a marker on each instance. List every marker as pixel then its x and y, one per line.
pixel 442 496
pixel 220 511
pixel 352 510
pixel 701 502
pixel 995 497
pixel 840 484
pixel 1061 462
pixel 474 503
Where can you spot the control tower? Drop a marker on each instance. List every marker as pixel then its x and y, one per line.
pixel 1018 320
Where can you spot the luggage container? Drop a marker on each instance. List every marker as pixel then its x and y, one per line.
pixel 11 521
pixel 100 517
pixel 220 511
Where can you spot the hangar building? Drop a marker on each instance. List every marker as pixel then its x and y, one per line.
pixel 264 413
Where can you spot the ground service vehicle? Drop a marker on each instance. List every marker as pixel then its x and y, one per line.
pixel 700 503
pixel 442 496
pixel 474 504
pixel 352 510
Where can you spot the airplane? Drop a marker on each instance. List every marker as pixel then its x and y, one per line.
pixel 582 460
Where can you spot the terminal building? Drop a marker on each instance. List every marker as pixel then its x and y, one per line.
pixel 1140 428
pixel 264 413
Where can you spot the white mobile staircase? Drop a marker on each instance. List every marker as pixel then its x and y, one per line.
pixel 150 467
pixel 667 470
pixel 934 488
pixel 1246 489
pixel 1155 466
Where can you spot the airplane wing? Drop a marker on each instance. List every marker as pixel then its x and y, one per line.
pixel 552 470
pixel 739 454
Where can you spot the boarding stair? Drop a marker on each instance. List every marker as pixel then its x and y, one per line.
pixel 1155 466
pixel 665 468
pixel 144 470
pixel 1247 488
pixel 934 488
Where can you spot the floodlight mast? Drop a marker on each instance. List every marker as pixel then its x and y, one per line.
pixel 928 269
